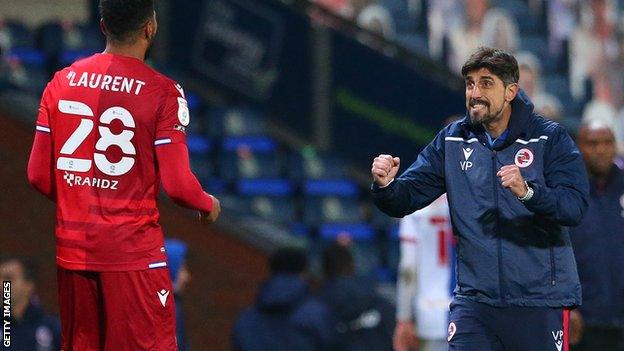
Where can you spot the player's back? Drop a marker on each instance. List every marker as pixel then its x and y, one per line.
pixel 106 113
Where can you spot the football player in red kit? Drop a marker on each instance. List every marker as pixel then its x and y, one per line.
pixel 111 129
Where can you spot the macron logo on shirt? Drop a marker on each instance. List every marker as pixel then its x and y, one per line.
pixel 162 295
pixel 465 165
pixel 467 153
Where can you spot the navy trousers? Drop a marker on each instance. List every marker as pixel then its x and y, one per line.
pixel 476 326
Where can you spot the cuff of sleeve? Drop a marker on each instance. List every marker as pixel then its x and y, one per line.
pixel 535 199
pixel 376 188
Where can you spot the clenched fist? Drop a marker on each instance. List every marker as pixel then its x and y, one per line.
pixel 385 168
pixel 512 179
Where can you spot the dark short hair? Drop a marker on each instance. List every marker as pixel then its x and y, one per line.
pixel 337 261
pixel 123 18
pixel 27 266
pixel 500 63
pixel 289 260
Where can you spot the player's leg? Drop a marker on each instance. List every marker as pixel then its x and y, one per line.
pixel 80 310
pixel 467 332
pixel 535 329
pixel 140 313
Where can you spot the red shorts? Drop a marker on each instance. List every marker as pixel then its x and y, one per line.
pixel 117 311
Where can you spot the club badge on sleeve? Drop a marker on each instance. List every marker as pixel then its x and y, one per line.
pixel 183 112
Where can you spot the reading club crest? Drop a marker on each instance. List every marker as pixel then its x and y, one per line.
pixel 451 331
pixel 523 158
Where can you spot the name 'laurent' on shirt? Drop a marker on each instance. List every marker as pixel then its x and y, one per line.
pixel 106 82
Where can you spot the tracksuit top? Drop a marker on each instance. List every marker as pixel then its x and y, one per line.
pixel 599 248
pixel 509 253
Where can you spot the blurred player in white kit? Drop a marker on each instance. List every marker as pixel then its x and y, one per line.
pixel 424 284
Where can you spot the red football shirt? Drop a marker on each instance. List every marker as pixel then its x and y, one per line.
pixel 106 116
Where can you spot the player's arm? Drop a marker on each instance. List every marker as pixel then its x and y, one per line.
pixel 421 184
pixel 172 156
pixel 41 161
pixel 180 183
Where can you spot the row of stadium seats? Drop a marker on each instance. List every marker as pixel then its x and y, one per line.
pixel 305 191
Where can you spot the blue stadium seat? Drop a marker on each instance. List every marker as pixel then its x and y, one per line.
pixel 33 62
pixel 236 122
pixel 300 229
pixel 31 58
pixel 356 231
pixel 332 201
pixel 69 56
pixel 326 187
pixel 250 157
pixel 214 186
pixel 310 164
pixel 21 36
pixel 200 149
pixel 270 199
pixel 198 144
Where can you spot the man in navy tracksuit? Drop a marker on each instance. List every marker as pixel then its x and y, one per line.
pixel 514 182
pixel 598 245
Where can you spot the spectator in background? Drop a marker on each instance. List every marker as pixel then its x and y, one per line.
pixel 425 279
pixel 484 26
pixel 465 39
pixel 598 245
pixel 72 37
pixel 363 320
pixel 377 19
pixel 604 112
pixel 6 40
pixel 546 104
pixel 442 17
pixel 339 7
pixel 180 276
pixel 285 316
pixel 31 328
pixel 592 45
pixel 562 20
pixel 500 30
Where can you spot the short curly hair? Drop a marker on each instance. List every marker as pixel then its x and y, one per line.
pixel 123 18
pixel 499 62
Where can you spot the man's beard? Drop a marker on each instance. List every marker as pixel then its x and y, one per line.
pixel 487 117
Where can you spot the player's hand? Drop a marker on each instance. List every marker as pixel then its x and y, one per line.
pixel 576 327
pixel 211 217
pixel 405 338
pixel 512 179
pixel 385 168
